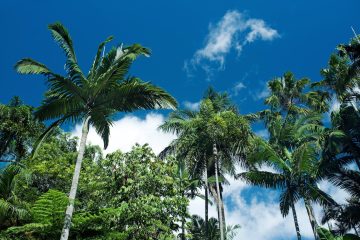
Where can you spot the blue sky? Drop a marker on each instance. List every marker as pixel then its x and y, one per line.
pixel 186 37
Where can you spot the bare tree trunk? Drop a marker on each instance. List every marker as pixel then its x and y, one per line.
pixel 75 181
pixel 219 202
pixel 206 202
pixel 310 212
pixel 296 221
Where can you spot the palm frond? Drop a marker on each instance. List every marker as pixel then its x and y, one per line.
pixel 101 121
pixel 135 94
pixel 30 66
pixel 97 59
pixel 263 179
pixel 62 37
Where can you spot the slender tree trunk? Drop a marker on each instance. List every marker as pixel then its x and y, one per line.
pixel 183 223
pixel 310 212
pixel 219 203
pixel 182 190
pixel 206 202
pixel 223 214
pixel 75 181
pixel 296 221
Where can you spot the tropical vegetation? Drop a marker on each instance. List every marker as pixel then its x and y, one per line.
pixel 54 185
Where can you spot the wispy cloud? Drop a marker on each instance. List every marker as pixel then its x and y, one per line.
pixel 192 105
pixel 238 87
pixel 261 93
pixel 232 32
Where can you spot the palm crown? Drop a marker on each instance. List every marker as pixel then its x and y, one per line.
pixel 106 89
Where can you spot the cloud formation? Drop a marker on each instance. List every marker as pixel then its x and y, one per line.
pixel 192 105
pixel 238 86
pixel 129 130
pixel 233 31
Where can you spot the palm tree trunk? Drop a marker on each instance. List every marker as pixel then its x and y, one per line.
pixel 219 202
pixel 222 208
pixel 310 212
pixel 75 181
pixel 206 202
pixel 296 221
pixel 183 222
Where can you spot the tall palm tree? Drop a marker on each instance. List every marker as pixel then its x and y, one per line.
pixel 209 140
pixel 297 169
pixel 93 98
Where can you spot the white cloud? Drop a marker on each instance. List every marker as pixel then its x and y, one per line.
pixel 259 29
pixel 233 31
pixel 129 130
pixel 238 87
pixel 192 105
pixel 262 93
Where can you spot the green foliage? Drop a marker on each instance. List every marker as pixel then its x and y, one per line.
pixel 12 209
pixel 47 217
pixel 147 192
pixel 18 129
pixel 137 195
pixel 325 234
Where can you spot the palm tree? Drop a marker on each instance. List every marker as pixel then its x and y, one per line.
pixel 347 216
pixel 287 96
pixel 342 74
pixel 93 98
pixel 209 140
pixel 295 160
